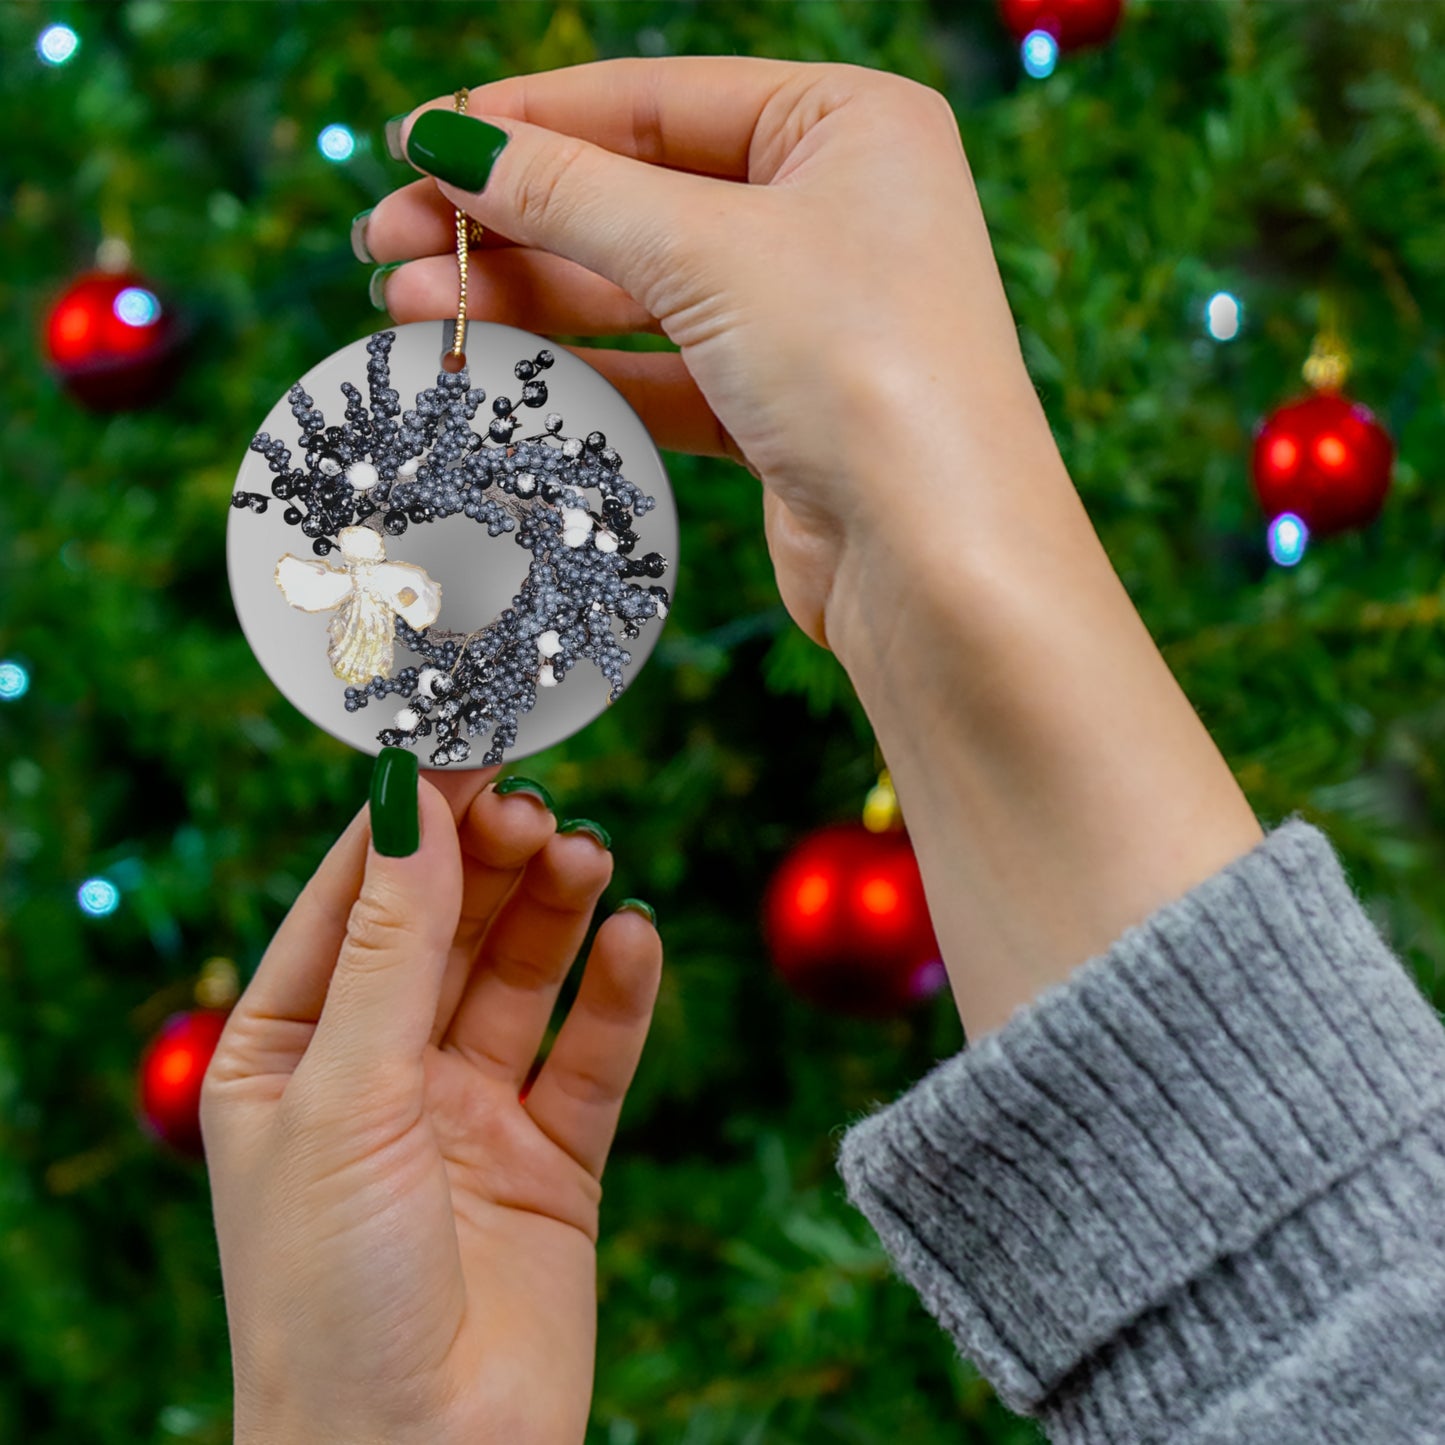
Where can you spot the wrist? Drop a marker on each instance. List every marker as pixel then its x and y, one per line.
pixel 1056 782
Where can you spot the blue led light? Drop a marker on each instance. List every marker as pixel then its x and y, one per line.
pixel 1223 316
pixel 336 143
pixel 57 44
pixel 1288 537
pixel 98 896
pixel 137 307
pixel 14 681
pixel 1040 52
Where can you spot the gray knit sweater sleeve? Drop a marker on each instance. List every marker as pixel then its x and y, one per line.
pixel 1196 1192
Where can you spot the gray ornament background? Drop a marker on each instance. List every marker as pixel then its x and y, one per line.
pixel 479 575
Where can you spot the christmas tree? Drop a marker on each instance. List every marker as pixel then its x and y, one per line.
pixel 1179 213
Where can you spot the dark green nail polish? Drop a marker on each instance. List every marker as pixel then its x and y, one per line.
pixel 393 136
pixel 358 236
pixel 586 825
pixel 395 820
pixel 636 905
pixel 376 288
pixel 455 148
pixel 534 789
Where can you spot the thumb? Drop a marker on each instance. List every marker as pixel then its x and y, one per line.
pixel 382 1000
pixel 633 223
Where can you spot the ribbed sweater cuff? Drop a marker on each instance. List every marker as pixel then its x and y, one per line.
pixel 1141 1166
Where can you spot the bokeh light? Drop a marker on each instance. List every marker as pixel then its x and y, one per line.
pixel 14 681
pixel 1223 316
pixel 1288 537
pixel 1040 52
pixel 336 143
pixel 57 44
pixel 98 896
pixel 137 307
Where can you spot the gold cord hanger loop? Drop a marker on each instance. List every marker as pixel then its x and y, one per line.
pixel 467 230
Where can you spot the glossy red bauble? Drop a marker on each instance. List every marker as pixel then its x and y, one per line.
pixel 1073 23
pixel 1324 458
pixel 171 1071
pixel 847 924
pixel 112 341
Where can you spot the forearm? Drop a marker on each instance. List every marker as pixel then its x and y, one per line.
pixel 1057 784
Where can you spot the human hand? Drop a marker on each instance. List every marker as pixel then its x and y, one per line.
pixel 407 1246
pixel 846 295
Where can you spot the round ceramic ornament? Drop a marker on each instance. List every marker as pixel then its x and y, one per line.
pixel 464 552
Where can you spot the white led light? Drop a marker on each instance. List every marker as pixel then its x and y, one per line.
pixel 1223 316
pixel 1040 53
pixel 57 44
pixel 137 307
pixel 1288 537
pixel 336 143
pixel 98 896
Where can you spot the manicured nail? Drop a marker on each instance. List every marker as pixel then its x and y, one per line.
pixel 393 136
pixel 395 811
pixel 455 148
pixel 358 236
pixel 586 825
pixel 376 288
pixel 531 788
pixel 636 905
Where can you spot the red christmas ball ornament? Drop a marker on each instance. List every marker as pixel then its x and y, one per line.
pixel 1072 23
pixel 111 341
pixel 847 924
pixel 1326 459
pixel 171 1071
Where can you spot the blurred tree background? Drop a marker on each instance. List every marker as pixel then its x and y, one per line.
pixel 1286 153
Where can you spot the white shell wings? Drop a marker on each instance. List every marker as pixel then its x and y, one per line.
pixel 312 586
pixel 366 594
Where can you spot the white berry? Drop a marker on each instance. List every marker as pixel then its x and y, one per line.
pixel 605 542
pixel 526 483
pixel 362 475
pixel 549 644
pixel 546 676
pixel 409 467
pixel 408 719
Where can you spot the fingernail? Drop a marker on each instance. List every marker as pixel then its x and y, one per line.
pixel 455 148
pixel 358 236
pixel 533 789
pixel 393 136
pixel 376 288
pixel 636 905
pixel 586 825
pixel 395 811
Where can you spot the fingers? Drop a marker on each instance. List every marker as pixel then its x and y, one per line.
pixel 418 220
pixel 500 834
pixel 271 1023
pixel 503 1012
pixel 516 287
pixel 660 389
pixel 577 1097
pixel 695 113
pixel 460 787
pixel 644 228
pixel 382 998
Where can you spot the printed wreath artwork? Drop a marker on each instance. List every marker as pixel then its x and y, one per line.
pixel 385 469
